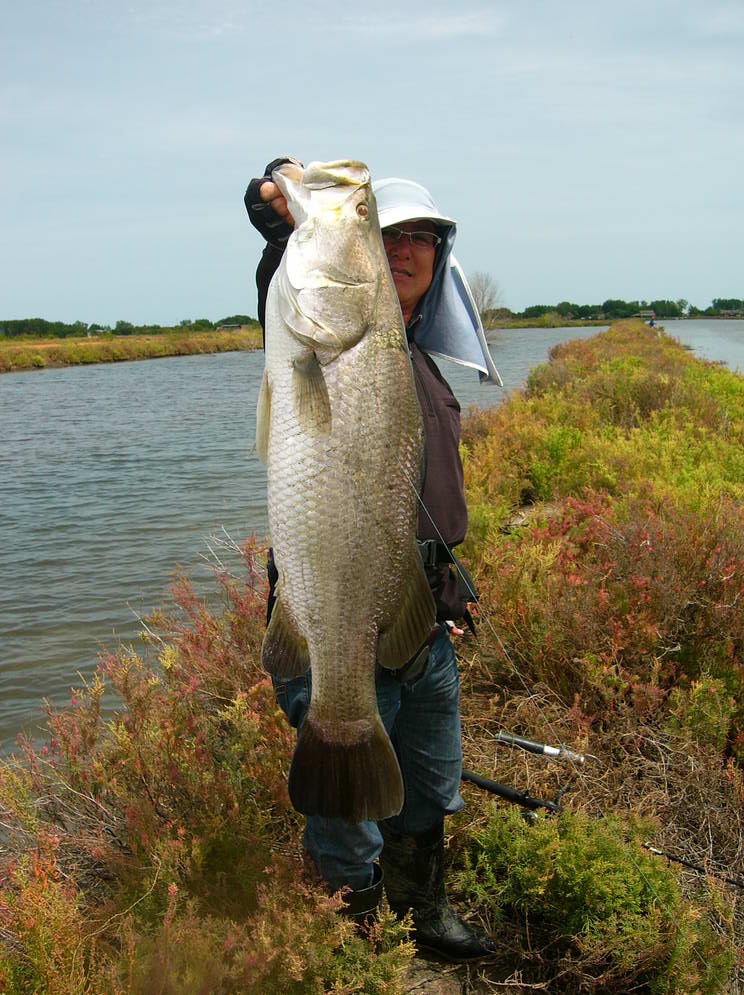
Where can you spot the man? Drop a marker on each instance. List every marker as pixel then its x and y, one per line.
pixel 418 704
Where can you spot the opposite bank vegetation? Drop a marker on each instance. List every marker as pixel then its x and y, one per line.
pixel 28 354
pixel 158 852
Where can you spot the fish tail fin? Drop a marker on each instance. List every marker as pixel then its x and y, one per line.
pixel 355 776
pixel 401 636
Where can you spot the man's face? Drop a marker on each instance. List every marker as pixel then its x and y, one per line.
pixel 412 266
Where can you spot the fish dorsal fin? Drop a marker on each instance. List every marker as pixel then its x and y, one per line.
pixel 310 395
pixel 405 633
pixel 263 419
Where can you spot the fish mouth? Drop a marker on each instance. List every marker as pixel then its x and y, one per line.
pixel 341 172
pixel 321 188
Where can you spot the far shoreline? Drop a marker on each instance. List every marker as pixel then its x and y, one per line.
pixel 23 355
pixel 539 324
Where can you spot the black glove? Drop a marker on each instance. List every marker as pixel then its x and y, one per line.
pixel 263 217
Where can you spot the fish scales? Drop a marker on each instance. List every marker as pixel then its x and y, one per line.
pixel 340 428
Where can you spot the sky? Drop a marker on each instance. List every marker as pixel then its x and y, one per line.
pixel 588 150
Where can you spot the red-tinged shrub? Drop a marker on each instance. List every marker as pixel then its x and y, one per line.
pixel 619 603
pixel 46 942
pixel 173 866
pixel 293 942
pixel 185 785
pixel 651 348
pixel 220 650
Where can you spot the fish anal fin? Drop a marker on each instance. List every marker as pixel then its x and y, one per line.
pixel 355 777
pixel 263 418
pixel 310 395
pixel 284 652
pixel 406 631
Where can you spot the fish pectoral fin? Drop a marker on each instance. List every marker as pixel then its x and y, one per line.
pixel 346 772
pixel 310 395
pixel 263 419
pixel 406 632
pixel 284 652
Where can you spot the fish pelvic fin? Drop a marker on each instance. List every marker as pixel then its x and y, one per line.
pixel 406 631
pixel 310 395
pixel 354 776
pixel 263 419
pixel 284 652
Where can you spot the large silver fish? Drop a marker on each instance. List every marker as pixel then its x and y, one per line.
pixel 340 427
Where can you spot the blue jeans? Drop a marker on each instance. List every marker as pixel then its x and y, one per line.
pixel 422 719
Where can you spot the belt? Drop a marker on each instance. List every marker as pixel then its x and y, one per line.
pixel 417 664
pixel 434 552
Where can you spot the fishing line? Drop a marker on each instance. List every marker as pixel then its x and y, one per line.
pixel 737 882
pixel 577 768
pixel 484 614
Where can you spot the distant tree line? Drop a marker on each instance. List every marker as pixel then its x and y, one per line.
pixel 40 328
pixel 720 306
pixel 614 309
pixel 486 296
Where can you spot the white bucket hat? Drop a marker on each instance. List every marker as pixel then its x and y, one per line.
pixel 404 200
pixel 450 326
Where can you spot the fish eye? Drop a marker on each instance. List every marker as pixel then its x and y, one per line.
pixel 362 210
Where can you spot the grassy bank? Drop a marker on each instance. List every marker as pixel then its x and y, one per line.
pixel 551 320
pixel 616 592
pixel 40 354
pixel 159 852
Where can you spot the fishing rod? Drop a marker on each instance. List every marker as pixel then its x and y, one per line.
pixel 541 749
pixel 737 882
pixel 523 798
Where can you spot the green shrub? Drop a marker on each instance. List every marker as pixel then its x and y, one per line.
pixel 53 949
pixel 629 411
pixel 704 711
pixel 606 909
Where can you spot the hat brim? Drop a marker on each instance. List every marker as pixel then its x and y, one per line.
pixel 400 200
pixel 411 212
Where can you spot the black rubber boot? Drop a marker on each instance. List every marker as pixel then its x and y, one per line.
pixel 414 878
pixel 361 905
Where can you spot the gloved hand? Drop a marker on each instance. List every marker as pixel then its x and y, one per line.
pixel 267 208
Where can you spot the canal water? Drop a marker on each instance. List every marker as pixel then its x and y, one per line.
pixel 112 477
